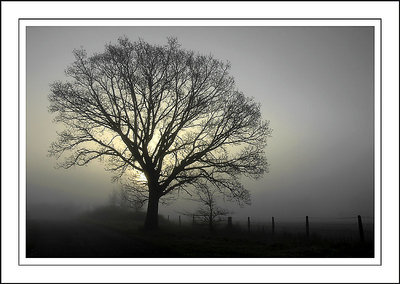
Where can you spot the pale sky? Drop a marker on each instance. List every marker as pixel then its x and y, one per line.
pixel 315 85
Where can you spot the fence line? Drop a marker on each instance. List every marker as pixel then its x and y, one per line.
pixel 262 226
pixel 195 219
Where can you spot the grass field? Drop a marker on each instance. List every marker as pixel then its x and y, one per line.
pixel 115 232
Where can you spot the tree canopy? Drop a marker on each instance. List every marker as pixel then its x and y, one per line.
pixel 172 115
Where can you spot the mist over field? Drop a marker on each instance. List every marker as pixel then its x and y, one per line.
pixel 314 84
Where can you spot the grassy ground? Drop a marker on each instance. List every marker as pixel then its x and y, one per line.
pixel 114 232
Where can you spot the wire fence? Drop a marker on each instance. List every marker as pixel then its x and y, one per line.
pixel 353 227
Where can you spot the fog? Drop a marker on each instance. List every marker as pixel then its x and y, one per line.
pixel 315 86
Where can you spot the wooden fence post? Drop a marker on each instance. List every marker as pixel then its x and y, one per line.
pixel 360 228
pixel 273 226
pixel 248 224
pixel 180 222
pixel 307 227
pixel 229 222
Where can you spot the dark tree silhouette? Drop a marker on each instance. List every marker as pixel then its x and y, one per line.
pixel 160 112
pixel 209 211
pixel 126 198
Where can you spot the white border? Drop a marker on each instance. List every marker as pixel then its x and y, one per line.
pixel 199 261
pixel 387 273
pixel 197 22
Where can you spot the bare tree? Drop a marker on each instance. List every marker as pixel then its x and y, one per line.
pixel 127 197
pixel 209 211
pixel 161 114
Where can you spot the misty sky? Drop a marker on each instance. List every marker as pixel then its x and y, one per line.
pixel 315 85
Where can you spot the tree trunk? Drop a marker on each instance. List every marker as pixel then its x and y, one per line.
pixel 151 222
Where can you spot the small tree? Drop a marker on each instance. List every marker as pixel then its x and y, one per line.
pixel 125 197
pixel 209 211
pixel 168 116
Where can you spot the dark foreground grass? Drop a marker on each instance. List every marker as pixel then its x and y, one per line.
pixel 114 232
pixel 198 242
